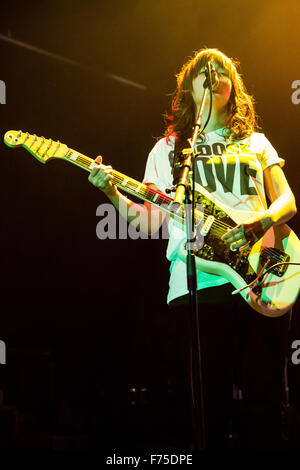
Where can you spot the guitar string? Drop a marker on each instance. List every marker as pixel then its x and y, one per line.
pixel 86 161
pixel 221 225
pixel 217 228
pixel 144 191
pixel 218 231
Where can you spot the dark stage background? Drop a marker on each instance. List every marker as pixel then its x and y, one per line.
pixel 85 320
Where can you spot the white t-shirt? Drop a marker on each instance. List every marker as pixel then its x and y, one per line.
pixel 230 170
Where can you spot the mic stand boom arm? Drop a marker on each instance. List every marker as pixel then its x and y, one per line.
pixel 183 182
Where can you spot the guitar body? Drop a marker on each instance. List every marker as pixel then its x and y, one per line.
pixel 264 274
pixel 279 289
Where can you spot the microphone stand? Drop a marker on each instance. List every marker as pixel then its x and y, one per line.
pixel 183 192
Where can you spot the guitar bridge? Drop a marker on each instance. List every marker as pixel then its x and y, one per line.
pixel 275 256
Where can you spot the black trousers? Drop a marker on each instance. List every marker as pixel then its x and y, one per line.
pixel 238 346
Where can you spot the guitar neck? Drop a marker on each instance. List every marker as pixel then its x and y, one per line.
pixel 140 190
pixel 46 149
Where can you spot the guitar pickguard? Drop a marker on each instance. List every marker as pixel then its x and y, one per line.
pixel 214 249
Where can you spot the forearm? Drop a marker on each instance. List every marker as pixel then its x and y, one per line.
pixel 283 205
pixel 142 217
pixel 135 214
pixel 281 210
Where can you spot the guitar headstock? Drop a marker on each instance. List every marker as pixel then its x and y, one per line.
pixel 41 148
pixel 14 138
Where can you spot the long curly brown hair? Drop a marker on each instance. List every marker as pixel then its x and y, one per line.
pixel 241 117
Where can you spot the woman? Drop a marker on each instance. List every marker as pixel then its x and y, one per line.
pixel 241 168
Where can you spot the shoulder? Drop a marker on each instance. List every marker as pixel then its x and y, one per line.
pixel 259 139
pixel 164 145
pixel 159 164
pixel 162 154
pixel 259 144
pixel 265 151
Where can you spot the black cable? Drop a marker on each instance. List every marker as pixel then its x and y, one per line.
pixel 210 104
pixel 208 79
pixel 269 269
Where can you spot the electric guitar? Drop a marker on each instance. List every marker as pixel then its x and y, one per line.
pixel 266 275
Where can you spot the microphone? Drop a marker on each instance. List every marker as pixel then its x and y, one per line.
pixel 214 78
pixel 211 76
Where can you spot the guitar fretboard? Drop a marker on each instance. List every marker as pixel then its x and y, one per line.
pixel 142 191
pixel 130 185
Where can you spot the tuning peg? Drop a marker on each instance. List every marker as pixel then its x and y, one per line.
pixel 170 190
